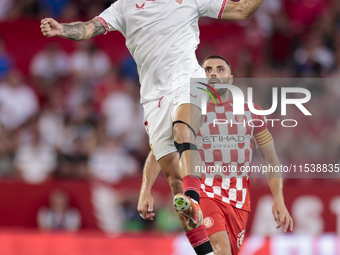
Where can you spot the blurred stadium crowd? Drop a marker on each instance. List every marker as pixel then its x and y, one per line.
pixel 77 115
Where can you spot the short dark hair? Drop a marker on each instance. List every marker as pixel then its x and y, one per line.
pixel 218 57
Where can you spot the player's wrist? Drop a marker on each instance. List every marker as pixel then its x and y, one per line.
pixel 145 190
pixel 278 198
pixel 61 30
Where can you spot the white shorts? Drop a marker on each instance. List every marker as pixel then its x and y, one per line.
pixel 159 115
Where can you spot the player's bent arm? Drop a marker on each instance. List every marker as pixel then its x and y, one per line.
pixel 150 172
pixel 76 31
pixel 279 210
pixel 241 10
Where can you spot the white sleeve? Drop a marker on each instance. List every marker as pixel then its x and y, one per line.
pixel 211 8
pixel 112 17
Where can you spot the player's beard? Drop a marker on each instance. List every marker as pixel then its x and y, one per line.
pixel 221 91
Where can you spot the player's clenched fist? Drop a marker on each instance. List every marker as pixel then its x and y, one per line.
pixel 50 27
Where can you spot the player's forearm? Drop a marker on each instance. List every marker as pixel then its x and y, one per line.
pixel 276 187
pixel 78 31
pixel 241 10
pixel 271 168
pixel 150 172
pixel 274 177
pixel 250 7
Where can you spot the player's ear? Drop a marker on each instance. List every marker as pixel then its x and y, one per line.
pixel 231 79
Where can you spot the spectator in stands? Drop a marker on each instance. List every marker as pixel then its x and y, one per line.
pixel 34 159
pixel 5 6
pixel 26 8
pixel 89 63
pixel 129 68
pixel 49 65
pixel 110 163
pixel 51 122
pixel 54 8
pixel 75 163
pixel 136 139
pixel 5 60
pixel 118 109
pixel 59 215
pixel 76 140
pixel 70 12
pixel 110 83
pixel 18 102
pixel 7 140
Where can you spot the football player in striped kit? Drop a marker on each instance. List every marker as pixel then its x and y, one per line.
pixel 225 200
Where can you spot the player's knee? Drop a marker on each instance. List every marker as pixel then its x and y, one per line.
pixel 222 251
pixel 183 133
pixel 220 246
pixel 182 139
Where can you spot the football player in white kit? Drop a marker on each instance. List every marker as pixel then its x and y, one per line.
pixel 162 36
pixel 225 200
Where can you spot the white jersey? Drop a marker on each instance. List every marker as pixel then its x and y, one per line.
pixel 162 36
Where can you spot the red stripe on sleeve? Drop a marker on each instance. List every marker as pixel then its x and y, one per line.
pixel 104 23
pixel 222 9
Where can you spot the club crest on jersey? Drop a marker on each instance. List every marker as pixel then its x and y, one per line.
pixel 179 1
pixel 240 118
pixel 208 222
pixel 140 6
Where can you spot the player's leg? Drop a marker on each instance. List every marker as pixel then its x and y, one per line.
pixel 236 222
pixel 215 223
pixel 158 124
pixel 225 225
pixel 229 240
pixel 187 121
pixel 169 166
pixel 197 236
pixel 220 243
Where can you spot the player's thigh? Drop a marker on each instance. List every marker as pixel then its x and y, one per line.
pixel 158 125
pixel 191 115
pixel 186 108
pixel 215 224
pixel 220 243
pixel 236 222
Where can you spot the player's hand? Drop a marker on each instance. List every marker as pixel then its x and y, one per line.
pixel 282 216
pixel 145 206
pixel 50 27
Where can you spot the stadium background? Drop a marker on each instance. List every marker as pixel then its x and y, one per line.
pixel 71 120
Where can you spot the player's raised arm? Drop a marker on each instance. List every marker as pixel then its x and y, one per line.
pixel 240 10
pixel 76 31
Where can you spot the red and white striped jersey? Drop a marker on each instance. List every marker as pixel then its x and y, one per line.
pixel 226 147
